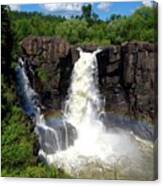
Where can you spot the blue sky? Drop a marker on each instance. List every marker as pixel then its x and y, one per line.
pixel 103 9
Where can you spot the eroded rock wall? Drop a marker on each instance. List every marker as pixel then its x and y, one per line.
pixel 127 74
pixel 128 78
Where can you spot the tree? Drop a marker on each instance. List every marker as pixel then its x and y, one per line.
pixel 7 40
pixel 115 16
pixel 74 31
pixel 87 13
pixel 95 17
pixel 87 28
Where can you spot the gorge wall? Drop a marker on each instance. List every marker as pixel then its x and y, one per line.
pixel 127 74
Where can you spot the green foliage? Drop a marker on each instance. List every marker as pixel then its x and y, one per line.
pixel 140 26
pixel 42 74
pixel 42 171
pixel 35 171
pixel 16 146
pixel 36 24
pixel 114 17
pixel 87 11
pixel 74 31
pixel 88 28
pixel 88 15
pixel 17 138
pixel 17 142
pixel 6 40
pixel 97 34
pixel 145 19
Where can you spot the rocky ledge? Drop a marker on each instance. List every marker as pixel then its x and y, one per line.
pixel 127 74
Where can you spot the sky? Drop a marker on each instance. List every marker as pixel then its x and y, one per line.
pixel 103 9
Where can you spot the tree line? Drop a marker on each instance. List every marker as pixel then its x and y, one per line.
pixel 88 28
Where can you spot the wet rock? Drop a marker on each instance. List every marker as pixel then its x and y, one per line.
pixel 55 135
pixel 140 129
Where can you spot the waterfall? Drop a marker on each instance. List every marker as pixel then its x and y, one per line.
pixel 29 99
pixel 95 151
pixel 79 142
pixel 84 106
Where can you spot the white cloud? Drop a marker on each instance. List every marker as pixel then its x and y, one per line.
pixel 147 3
pixel 103 7
pixel 63 8
pixel 15 7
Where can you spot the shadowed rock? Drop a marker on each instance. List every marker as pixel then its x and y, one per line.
pixel 56 135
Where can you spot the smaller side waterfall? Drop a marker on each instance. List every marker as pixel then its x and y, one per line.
pixel 29 99
pixel 53 134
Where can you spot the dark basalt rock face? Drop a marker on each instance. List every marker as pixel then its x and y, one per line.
pixel 127 74
pixel 128 79
pixel 49 66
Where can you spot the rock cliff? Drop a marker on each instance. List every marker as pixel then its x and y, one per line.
pixel 127 74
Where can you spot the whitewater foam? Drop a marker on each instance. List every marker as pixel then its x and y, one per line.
pixel 94 146
pixel 95 153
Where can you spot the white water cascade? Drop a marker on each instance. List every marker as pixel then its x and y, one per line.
pixel 84 106
pixel 95 153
